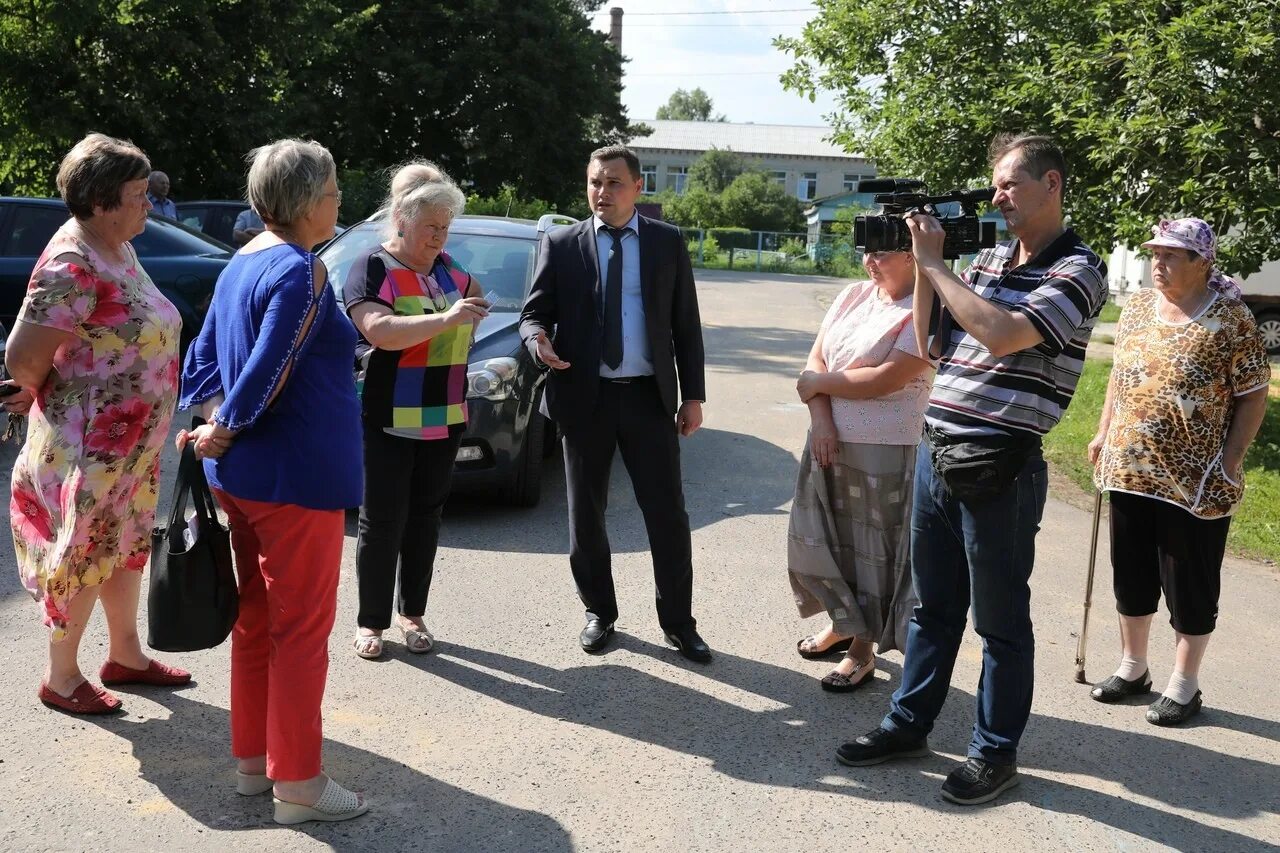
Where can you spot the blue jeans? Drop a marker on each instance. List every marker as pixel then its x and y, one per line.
pixel 979 554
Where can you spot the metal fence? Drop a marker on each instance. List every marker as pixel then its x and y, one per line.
pixel 772 251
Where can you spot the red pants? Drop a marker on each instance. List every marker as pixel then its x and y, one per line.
pixel 288 558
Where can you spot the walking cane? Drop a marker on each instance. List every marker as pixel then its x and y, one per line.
pixel 1088 589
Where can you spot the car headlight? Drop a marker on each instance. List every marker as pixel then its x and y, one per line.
pixel 491 379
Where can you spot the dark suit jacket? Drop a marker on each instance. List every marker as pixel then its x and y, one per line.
pixel 566 303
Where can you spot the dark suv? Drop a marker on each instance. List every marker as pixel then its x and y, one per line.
pixel 183 263
pixel 506 439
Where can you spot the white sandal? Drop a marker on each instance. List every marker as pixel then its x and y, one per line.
pixel 252 784
pixel 368 646
pixel 336 803
pixel 419 642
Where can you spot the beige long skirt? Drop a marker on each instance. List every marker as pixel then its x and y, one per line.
pixel 848 541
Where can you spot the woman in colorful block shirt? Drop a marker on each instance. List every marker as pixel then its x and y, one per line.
pixel 866 387
pixel 97 343
pixel 1187 394
pixel 415 309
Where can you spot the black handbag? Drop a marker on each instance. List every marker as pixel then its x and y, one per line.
pixel 192 601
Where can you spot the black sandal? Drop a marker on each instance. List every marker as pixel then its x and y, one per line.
pixel 837 682
pixel 838 647
pixel 1166 712
pixel 1116 688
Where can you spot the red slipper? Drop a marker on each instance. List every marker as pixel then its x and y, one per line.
pixel 155 673
pixel 87 699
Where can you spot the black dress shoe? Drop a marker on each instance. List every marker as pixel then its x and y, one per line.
pixel 596 635
pixel 1116 688
pixel 687 641
pixel 881 745
pixel 977 781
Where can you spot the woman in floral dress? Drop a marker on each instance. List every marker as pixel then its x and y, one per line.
pixel 97 345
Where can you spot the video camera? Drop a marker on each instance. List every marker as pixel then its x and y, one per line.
pixel 888 232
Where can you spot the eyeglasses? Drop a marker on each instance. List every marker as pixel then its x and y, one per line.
pixel 436 230
pixel 337 196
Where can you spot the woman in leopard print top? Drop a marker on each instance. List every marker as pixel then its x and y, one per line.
pixel 1186 397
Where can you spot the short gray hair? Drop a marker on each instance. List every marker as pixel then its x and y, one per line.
pixel 94 171
pixel 420 186
pixel 287 178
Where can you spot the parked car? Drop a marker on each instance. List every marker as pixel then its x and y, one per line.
pixel 183 263
pixel 217 218
pixel 506 439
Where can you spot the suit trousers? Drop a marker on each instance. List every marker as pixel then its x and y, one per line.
pixel 406 484
pixel 287 557
pixel 629 416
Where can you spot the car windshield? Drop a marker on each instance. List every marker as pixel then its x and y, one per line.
pixel 164 238
pixel 503 265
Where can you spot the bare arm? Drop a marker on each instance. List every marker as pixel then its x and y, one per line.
pixel 865 383
pixel 30 350
pixel 1245 422
pixel 823 440
pixel 1104 420
pixel 381 327
pixel 923 311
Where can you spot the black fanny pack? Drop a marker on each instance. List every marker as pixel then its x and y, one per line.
pixel 980 467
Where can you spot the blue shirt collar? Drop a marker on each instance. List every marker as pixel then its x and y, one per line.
pixel 633 223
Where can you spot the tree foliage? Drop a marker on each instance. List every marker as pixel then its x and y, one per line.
pixel 752 201
pixel 476 85
pixel 716 169
pixel 694 105
pixel 1163 107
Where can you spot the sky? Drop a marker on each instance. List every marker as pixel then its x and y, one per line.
pixel 723 47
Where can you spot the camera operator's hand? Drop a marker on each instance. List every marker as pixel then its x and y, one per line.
pixel 927 237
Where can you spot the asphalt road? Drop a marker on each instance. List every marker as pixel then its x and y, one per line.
pixel 508 737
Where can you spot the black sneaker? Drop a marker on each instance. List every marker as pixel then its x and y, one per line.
pixel 1166 712
pixel 881 745
pixel 977 781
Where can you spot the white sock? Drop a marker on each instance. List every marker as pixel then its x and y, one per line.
pixel 1182 687
pixel 1131 668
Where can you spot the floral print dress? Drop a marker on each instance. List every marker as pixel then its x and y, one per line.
pixel 85 483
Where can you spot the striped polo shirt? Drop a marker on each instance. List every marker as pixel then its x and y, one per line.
pixel 1061 291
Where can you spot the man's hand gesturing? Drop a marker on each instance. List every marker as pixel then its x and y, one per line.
pixel 548 354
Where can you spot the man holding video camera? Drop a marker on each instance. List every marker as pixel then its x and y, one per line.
pixel 1010 344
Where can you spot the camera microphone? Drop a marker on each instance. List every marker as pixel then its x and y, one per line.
pixel 890 185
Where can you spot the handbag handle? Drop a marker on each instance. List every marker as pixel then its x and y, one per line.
pixel 191 480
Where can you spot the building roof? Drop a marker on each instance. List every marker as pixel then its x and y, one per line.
pixel 759 139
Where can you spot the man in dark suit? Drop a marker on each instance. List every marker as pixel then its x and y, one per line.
pixel 614 315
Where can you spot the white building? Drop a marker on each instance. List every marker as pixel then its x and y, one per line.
pixel 799 157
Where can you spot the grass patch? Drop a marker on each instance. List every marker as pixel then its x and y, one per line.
pixel 1110 313
pixel 1255 530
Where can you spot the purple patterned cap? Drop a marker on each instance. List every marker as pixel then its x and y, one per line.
pixel 1190 233
pixel 1196 235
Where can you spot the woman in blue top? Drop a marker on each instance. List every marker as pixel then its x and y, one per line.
pixel 271 370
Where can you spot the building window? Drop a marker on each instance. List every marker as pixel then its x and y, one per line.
pixel 649 177
pixel 780 178
pixel 678 178
pixel 807 188
pixel 851 183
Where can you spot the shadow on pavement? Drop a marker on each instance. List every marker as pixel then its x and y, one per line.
pixel 757 349
pixel 726 474
pixel 187 758
pixel 791 744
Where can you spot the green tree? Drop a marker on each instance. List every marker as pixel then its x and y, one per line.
pixel 757 202
pixel 475 85
pixel 1162 107
pixel 696 208
pixel 694 105
pixel 716 169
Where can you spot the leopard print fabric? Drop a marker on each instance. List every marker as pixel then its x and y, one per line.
pixel 1175 390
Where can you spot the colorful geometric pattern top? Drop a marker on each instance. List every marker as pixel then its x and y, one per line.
pixel 419 392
